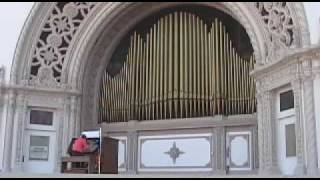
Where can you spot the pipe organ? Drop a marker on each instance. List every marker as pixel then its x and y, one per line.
pixel 181 67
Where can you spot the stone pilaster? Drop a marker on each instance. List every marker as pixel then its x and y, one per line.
pixel 18 132
pixel 297 91
pixel 219 152
pixel 260 132
pixel 66 126
pixel 73 116
pixel 310 126
pixel 266 137
pixel 132 150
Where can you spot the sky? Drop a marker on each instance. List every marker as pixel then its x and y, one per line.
pixel 12 18
pixel 14 14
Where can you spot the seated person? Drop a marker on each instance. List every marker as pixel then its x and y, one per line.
pixel 80 146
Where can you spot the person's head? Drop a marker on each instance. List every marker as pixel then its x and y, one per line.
pixel 83 136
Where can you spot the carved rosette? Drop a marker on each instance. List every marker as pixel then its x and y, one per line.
pixel 50 50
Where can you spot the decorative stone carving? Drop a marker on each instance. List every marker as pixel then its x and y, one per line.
pixel 49 54
pixel 279 22
pixel 174 152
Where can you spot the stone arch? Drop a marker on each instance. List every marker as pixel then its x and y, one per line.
pixel 97 33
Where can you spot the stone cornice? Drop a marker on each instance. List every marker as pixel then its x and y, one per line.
pixel 31 89
pixel 190 123
pixel 290 58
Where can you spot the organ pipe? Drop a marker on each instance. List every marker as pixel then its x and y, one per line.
pixel 181 67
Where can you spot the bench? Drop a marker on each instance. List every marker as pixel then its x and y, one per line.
pixel 78 164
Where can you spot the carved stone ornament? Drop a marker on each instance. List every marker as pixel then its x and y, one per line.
pixel 49 54
pixel 174 152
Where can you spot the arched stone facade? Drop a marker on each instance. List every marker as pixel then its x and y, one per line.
pixel 64 48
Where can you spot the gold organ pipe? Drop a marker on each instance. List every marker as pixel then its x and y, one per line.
pixel 242 83
pixel 221 58
pixel 117 98
pixel 176 64
pixel 196 50
pixel 252 89
pixel 186 63
pixel 181 66
pixel 150 74
pixel 228 73
pixel 202 70
pixel 182 69
pixel 210 75
pixel 144 87
pixel 194 109
pixel 206 70
pixel 154 72
pixel 147 74
pixel 190 75
pixel 141 70
pixel 181 63
pixel 238 83
pixel 170 65
pixel 246 84
pixel 157 70
pixel 226 62
pixel 165 69
pixel 213 70
pixel 137 57
pixel 159 96
pixel 217 60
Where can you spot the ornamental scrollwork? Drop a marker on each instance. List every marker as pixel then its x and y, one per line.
pixel 50 51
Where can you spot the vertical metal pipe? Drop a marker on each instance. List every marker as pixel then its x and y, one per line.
pixel 154 72
pixel 171 80
pixel 221 57
pixel 213 70
pixel 210 73
pixel 218 66
pixel 165 68
pixel 198 67
pixel 181 65
pixel 160 39
pixel 202 68
pixel 186 64
pixel 176 64
pixel 206 70
pixel 190 63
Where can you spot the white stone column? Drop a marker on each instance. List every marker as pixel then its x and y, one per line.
pixel 297 91
pixel 310 126
pixel 9 132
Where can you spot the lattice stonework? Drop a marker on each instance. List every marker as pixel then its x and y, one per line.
pixel 278 21
pixel 53 43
